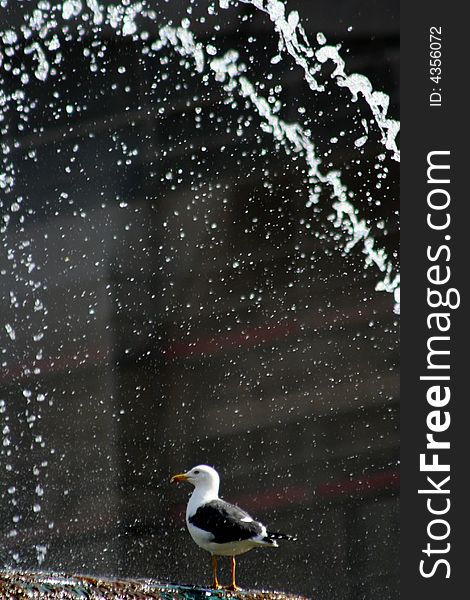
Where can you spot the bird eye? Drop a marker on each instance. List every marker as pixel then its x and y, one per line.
pixel 196 472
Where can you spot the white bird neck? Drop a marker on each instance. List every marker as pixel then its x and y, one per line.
pixel 202 494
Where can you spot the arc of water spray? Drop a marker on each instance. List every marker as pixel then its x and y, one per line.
pixel 229 71
pixel 292 135
pixel 290 33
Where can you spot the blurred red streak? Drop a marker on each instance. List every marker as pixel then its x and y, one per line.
pixel 372 482
pixel 295 496
pixel 245 337
pixel 203 346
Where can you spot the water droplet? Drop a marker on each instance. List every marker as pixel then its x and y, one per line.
pixel 10 331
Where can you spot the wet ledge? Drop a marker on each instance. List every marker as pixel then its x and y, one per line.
pixel 15 585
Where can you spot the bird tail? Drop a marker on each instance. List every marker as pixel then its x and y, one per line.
pixel 274 535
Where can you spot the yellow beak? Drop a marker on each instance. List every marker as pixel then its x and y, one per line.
pixel 179 477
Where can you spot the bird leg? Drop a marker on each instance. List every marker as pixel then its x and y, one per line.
pixel 233 587
pixel 215 581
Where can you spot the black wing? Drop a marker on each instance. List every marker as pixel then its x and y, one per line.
pixel 225 522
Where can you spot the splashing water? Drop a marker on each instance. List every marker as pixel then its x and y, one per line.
pixel 290 33
pixel 38 39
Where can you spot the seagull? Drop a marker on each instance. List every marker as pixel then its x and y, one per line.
pixel 219 527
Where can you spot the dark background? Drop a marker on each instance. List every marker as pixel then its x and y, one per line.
pixel 203 316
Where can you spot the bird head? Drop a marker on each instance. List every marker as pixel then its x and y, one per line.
pixel 201 476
